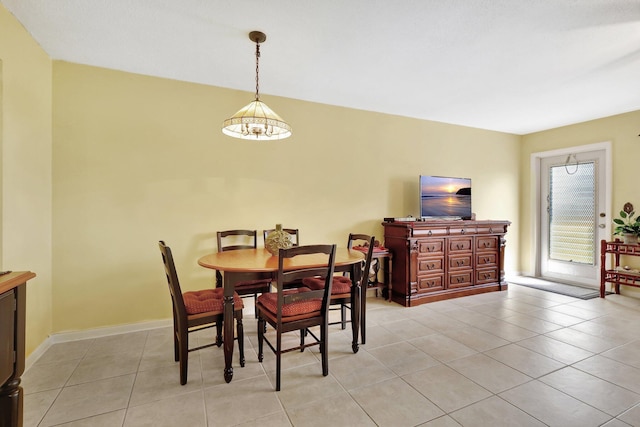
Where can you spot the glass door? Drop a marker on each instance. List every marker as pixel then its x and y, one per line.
pixel 572 216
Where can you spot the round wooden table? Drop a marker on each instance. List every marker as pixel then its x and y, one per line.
pixel 260 260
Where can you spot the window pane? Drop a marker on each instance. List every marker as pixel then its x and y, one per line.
pixel 572 218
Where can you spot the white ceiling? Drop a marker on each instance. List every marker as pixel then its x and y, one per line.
pixel 516 66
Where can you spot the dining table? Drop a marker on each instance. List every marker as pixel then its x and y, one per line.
pixel 260 260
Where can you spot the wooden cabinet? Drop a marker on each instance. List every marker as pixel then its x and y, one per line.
pixel 436 260
pixel 617 275
pixel 12 328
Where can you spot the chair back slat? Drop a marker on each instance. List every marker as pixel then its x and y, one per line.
pixel 242 239
pixel 284 276
pixel 366 266
pixel 172 280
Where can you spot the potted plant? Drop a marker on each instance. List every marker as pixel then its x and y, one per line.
pixel 626 226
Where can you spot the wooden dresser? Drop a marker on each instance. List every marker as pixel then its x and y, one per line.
pixel 13 294
pixel 442 259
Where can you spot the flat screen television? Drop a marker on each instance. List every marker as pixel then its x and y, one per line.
pixel 444 197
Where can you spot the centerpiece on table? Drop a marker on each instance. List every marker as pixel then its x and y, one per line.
pixel 626 226
pixel 277 239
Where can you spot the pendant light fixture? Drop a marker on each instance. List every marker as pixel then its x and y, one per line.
pixel 256 120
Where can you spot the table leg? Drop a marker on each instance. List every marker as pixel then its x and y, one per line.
pixel 227 332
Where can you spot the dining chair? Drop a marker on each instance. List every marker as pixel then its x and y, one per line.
pixel 194 311
pixel 341 293
pixel 289 310
pixel 295 235
pixel 246 283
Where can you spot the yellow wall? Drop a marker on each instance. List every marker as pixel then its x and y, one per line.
pixel 25 158
pixel 138 159
pixel 622 130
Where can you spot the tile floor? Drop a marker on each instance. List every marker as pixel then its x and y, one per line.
pixel 522 357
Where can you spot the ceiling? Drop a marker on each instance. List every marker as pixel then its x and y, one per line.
pixel 516 66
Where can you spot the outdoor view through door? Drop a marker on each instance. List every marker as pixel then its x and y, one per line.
pixel 572 216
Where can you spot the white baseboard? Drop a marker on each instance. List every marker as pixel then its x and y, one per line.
pixel 92 333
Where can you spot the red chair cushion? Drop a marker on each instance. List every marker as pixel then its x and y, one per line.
pixel 270 302
pixel 341 284
pixel 207 300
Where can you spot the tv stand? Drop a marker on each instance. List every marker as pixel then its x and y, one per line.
pixel 437 260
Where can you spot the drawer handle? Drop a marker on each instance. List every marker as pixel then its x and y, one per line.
pixel 429 233
pixel 490 230
pixel 460 262
pixel 462 231
pixel 486 244
pixel 459 279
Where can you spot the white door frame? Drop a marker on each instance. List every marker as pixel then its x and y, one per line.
pixel 535 161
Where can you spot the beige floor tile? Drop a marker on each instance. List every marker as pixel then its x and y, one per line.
pixel 36 406
pixel 274 420
pixel 555 349
pixel 48 376
pixel 445 421
pixel 628 353
pixel 445 387
pixel 439 322
pixel 494 412
pixel 184 410
pixel 162 383
pixel 556 317
pixel 531 323
pixel 407 329
pixel 496 310
pixel 378 336
pixel 65 351
pixel 488 372
pixel 613 371
pixel 394 403
pixel 442 347
pixel 578 311
pixel 468 316
pixel 506 330
pixel 397 376
pixel 631 417
pixel 553 407
pixel 305 384
pixel 117 344
pixel 336 410
pixel 617 423
pixel 240 401
pixel 359 370
pixel 86 400
pixel 519 306
pixel 109 419
pixel 581 340
pixel 524 360
pixel 108 366
pixel 475 338
pixel 412 359
pixel 606 327
pixel 594 391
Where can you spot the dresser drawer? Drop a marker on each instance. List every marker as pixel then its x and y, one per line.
pixel 460 279
pixel 430 283
pixel 430 265
pixel 486 275
pixel 486 259
pixel 486 243
pixel 457 262
pixel 431 247
pixel 460 244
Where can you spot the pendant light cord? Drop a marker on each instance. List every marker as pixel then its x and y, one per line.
pixel 257 71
